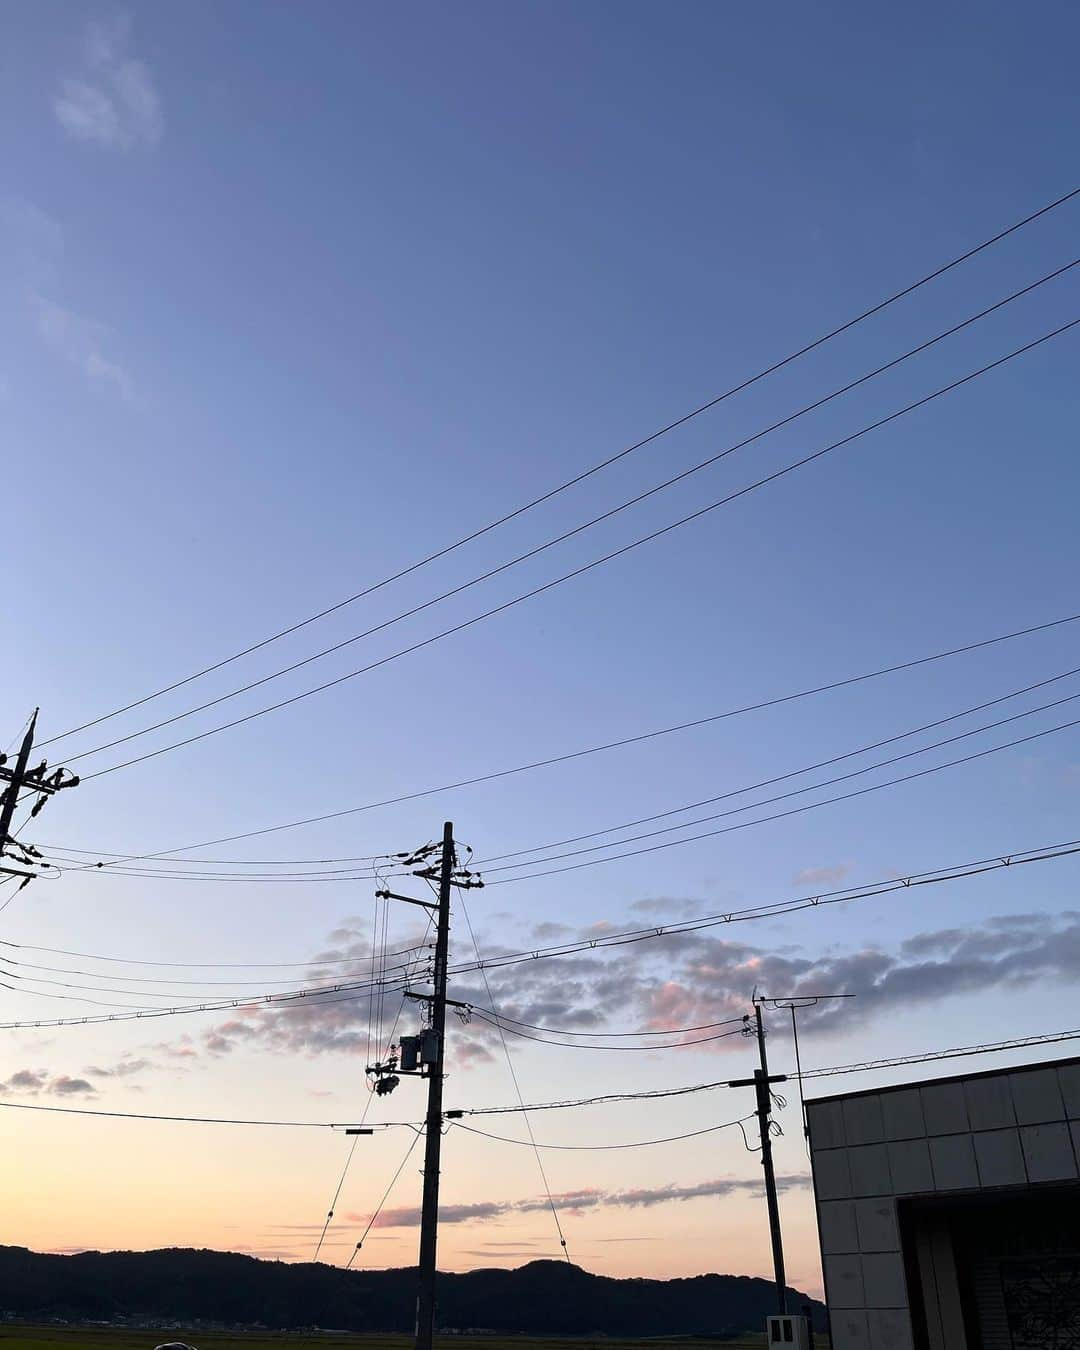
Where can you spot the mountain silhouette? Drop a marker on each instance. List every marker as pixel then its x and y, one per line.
pixel 182 1286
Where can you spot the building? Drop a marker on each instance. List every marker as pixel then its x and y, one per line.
pixel 949 1211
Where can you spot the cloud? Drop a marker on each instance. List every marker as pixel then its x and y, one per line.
pixel 65 1086
pixel 511 1250
pixel 181 1048
pixel 577 1202
pixel 113 101
pixel 690 980
pixel 696 978
pixel 550 932
pixel 125 1067
pixel 32 1082
pixel 26 1080
pixel 81 342
pixel 33 246
pixel 469 1052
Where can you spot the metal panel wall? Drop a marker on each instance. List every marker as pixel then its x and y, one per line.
pixel 981 1132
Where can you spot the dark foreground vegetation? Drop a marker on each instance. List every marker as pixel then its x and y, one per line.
pixel 20 1337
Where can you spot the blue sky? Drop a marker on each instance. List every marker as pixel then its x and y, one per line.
pixel 293 297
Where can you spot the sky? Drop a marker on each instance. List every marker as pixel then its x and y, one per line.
pixel 294 297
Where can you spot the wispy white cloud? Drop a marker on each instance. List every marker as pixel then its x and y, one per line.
pixel 113 101
pixel 125 1067
pixel 577 1202
pixel 32 243
pixel 81 342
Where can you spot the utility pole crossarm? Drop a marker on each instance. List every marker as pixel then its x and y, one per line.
pixel 408 899
pixel 429 998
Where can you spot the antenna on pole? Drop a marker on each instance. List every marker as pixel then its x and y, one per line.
pixel 793 1003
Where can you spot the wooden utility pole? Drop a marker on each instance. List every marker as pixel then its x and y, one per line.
pixel 25 782
pixel 429 1221
pixel 15 779
pixel 761 1083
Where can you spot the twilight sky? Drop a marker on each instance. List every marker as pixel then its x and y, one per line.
pixel 294 296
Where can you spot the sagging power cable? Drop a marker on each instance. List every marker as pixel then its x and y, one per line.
pixel 843 895
pixel 537 550
pixel 517 1086
pixel 713 402
pixel 776 701
pixel 792 467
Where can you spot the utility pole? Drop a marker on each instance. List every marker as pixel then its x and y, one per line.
pixel 425 1055
pixel 35 782
pixel 761 1083
pixel 429 1221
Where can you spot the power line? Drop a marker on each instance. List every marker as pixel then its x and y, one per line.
pixel 577 1045
pixel 745 709
pixel 603 1148
pixel 197 1001
pixel 195 965
pixel 990 1047
pixel 174 874
pixel 957 1052
pixel 791 811
pixel 485 863
pixel 517 1089
pixel 565 1031
pixel 19 734
pixel 383 1199
pixel 102 989
pixel 284 1001
pixel 596 468
pixel 845 895
pixel 62 849
pixel 70 998
pixel 605 1099
pixel 596 562
pixel 371 1095
pixel 147 979
pixel 148 874
pixel 337 1193
pixel 180 1120
pixel 609 514
pixel 181 1002
pixel 963 1051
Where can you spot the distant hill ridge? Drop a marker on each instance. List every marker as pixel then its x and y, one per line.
pixel 541 1298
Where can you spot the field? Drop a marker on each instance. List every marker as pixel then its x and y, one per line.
pixel 14 1337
